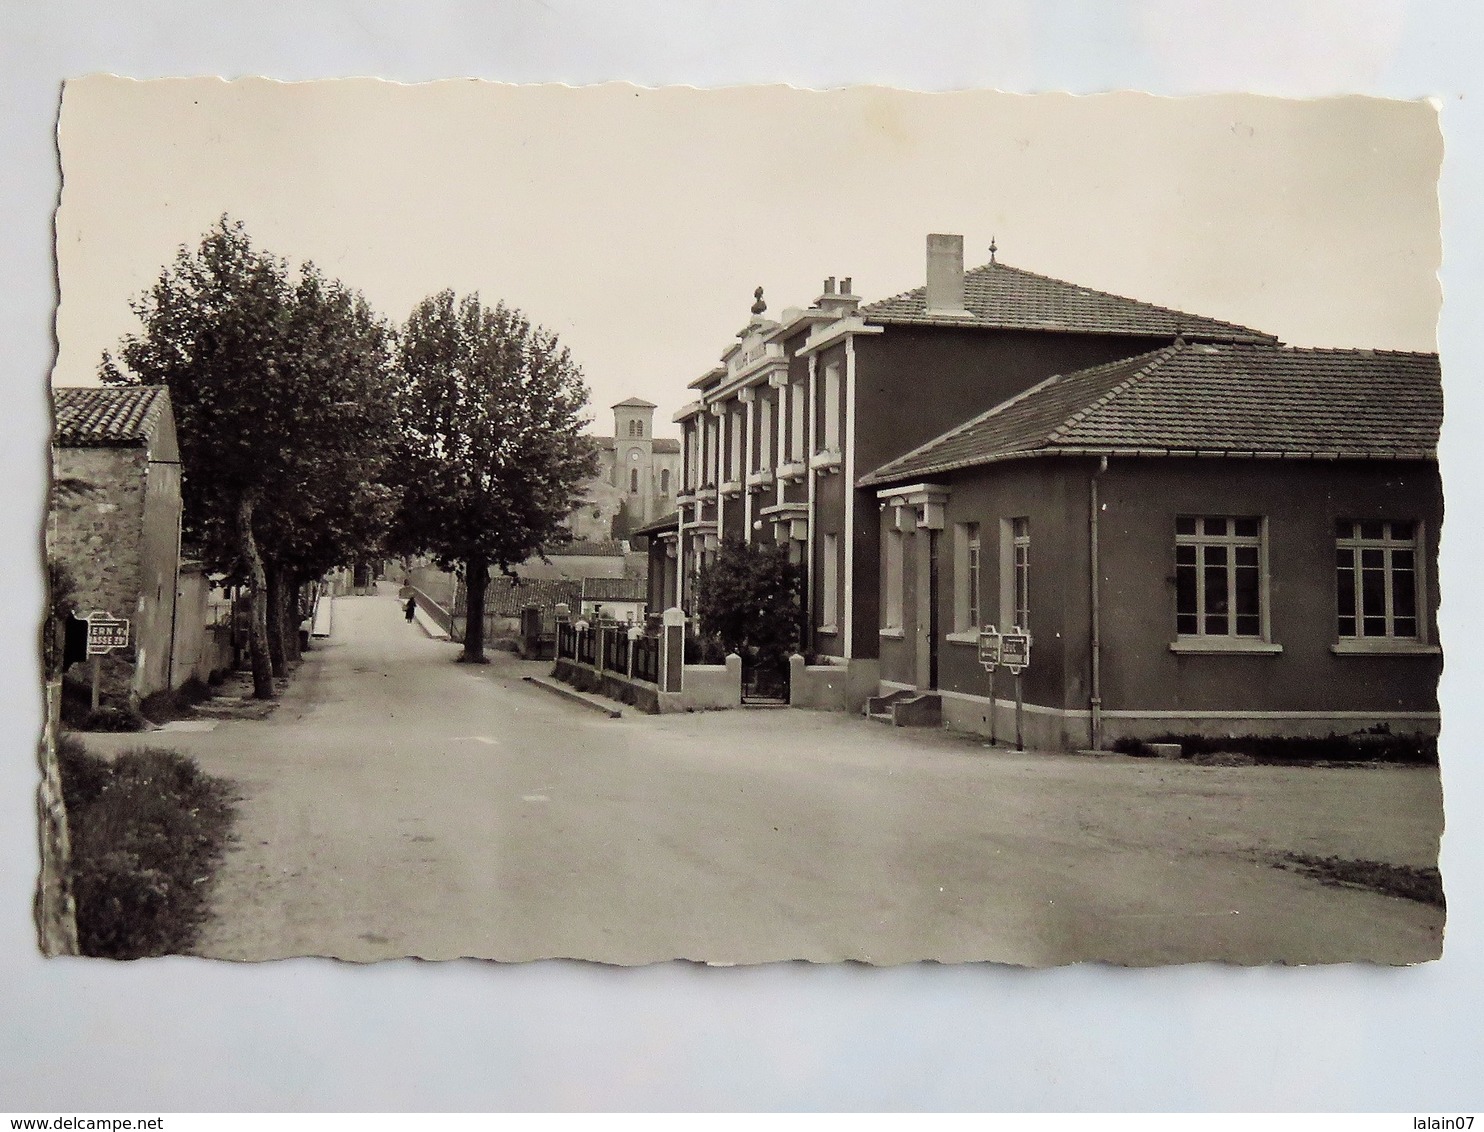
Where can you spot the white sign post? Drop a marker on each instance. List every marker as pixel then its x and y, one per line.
pixel 105 634
pixel 1015 654
pixel 989 657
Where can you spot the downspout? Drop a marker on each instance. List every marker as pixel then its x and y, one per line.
pixel 1095 700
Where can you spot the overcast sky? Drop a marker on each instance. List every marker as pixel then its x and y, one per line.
pixel 636 223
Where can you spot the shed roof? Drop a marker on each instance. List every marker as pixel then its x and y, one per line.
pixel 107 415
pixel 1202 399
pixel 615 589
pixel 999 296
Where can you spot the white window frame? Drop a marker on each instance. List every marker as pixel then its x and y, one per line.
pixel 765 434
pixel 829 581
pixel 830 441
pixel 1015 573
pixel 892 583
pixel 1388 544
pixel 1231 641
pixel 967 580
pixel 797 395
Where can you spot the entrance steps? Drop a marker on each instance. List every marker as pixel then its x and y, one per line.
pixel 907 709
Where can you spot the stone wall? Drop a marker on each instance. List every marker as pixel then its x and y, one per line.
pixel 96 533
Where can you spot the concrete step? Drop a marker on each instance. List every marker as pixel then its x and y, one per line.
pixel 586 699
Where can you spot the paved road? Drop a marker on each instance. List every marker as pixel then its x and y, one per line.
pixel 400 804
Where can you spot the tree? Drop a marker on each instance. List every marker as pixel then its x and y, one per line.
pixel 281 390
pixel 748 597
pixel 492 461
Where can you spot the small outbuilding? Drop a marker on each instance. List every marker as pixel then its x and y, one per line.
pixel 115 521
pixel 1210 538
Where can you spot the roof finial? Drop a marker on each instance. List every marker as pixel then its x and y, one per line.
pixel 992 249
pixel 758 306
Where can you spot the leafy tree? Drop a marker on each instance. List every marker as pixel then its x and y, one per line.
pixel 281 391
pixel 490 407
pixel 748 597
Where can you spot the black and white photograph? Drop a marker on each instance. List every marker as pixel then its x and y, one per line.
pixel 745 525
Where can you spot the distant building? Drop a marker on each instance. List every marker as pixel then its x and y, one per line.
pixel 638 476
pixel 115 520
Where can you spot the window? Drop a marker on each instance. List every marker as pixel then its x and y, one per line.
pixel 1376 571
pixel 664 481
pixel 734 423
pixel 893 582
pixel 636 428
pixel 831 440
pixel 965 577
pixel 1015 574
pixel 765 433
pixel 829 577
pixel 796 397
pixel 1218 576
pixel 633 481
pixel 692 457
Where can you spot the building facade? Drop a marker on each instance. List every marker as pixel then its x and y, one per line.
pixel 637 479
pixel 115 521
pixel 800 408
pixel 1211 539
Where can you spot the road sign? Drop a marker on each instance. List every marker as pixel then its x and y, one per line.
pixel 1015 650
pixel 106 633
pixel 989 646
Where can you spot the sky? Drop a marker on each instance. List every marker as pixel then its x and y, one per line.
pixel 635 222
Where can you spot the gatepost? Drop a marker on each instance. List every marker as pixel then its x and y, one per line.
pixel 672 649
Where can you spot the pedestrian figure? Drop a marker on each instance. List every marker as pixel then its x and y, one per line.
pixel 411 607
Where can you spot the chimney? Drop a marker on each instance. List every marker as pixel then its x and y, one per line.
pixel 840 302
pixel 945 274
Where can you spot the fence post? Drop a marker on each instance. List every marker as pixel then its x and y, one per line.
pixel 796 677
pixel 734 677
pixel 672 649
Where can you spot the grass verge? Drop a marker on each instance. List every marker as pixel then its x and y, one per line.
pixel 1422 885
pixel 148 831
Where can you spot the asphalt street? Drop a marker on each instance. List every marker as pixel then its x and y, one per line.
pixel 400 804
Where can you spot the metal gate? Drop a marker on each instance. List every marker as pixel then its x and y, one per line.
pixel 764 681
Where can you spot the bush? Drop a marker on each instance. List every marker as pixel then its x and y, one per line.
pixel 1375 745
pixel 148 832
pixel 749 599
pixel 705 650
pixel 160 707
pixel 1128 745
pixel 108 718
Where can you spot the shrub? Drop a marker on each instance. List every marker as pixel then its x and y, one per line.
pixel 148 832
pixel 1375 745
pixel 108 718
pixel 749 598
pixel 1128 745
pixel 705 650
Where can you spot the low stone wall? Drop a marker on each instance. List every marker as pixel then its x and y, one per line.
pixel 585 678
pixel 831 687
pixel 704 686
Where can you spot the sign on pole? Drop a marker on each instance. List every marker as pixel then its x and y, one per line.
pixel 106 633
pixel 989 657
pixel 989 647
pixel 1015 650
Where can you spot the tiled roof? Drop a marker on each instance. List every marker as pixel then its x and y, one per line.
pixel 1203 399
pixel 615 589
pixel 1003 297
pixel 604 548
pixel 635 403
pixel 107 414
pixel 668 522
pixel 505 599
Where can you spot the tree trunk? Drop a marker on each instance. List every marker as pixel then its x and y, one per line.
pixel 476 582
pixel 277 654
pixel 257 624
pixel 293 592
